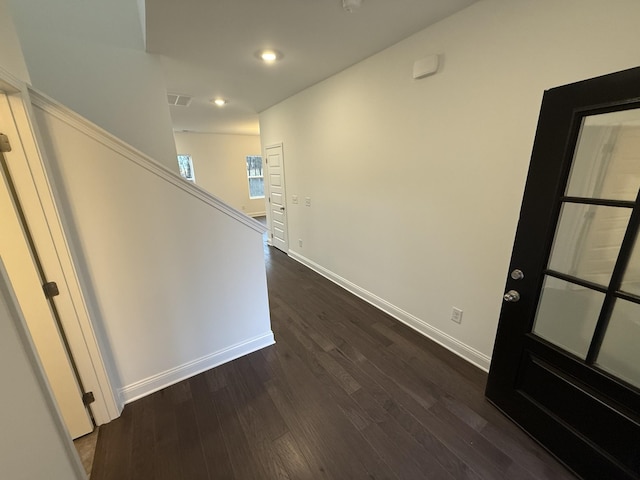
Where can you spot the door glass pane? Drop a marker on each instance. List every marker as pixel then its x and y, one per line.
pixel 631 279
pixel 607 158
pixel 588 239
pixel 620 351
pixel 567 315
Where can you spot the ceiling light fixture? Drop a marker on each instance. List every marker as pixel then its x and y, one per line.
pixel 351 5
pixel 221 102
pixel 269 56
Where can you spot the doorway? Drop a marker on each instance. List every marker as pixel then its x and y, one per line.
pixel 25 273
pixel 277 199
pixel 32 190
pixel 566 363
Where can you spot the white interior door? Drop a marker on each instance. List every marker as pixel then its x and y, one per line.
pixel 25 278
pixel 277 203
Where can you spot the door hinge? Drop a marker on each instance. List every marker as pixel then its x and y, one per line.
pixel 5 146
pixel 88 398
pixel 50 289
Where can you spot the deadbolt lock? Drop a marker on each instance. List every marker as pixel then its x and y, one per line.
pixel 517 274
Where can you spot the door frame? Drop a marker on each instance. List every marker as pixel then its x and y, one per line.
pixel 268 194
pixel 48 407
pixel 558 128
pixel 37 195
pixel 25 271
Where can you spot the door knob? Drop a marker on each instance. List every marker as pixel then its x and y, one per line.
pixel 282 209
pixel 511 296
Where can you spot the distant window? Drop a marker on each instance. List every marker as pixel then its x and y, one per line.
pixel 254 174
pixel 186 167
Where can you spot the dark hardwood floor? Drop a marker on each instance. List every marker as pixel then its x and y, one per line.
pixel 346 393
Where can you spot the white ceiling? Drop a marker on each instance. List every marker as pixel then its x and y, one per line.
pixel 208 46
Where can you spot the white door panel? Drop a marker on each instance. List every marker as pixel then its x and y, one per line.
pixel 278 234
pixel 276 180
pixel 277 217
pixel 276 199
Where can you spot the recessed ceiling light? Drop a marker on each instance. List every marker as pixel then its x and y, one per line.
pixel 268 56
pixel 221 102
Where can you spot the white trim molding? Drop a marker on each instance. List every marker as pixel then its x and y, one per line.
pixel 162 380
pixel 9 83
pixel 83 125
pixel 468 353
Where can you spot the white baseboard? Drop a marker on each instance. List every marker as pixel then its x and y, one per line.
pixel 164 379
pixel 468 353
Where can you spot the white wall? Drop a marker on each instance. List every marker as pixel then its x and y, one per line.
pixel 416 184
pixel 219 162
pixel 33 444
pixel 90 56
pixel 175 281
pixel 11 58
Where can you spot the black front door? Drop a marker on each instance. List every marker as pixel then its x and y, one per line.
pixel 566 363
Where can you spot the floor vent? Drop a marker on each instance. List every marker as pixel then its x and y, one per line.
pixel 179 100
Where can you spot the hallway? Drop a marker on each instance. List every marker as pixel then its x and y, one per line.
pixel 346 393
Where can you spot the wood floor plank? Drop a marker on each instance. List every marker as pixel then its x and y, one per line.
pixel 292 458
pixel 526 453
pixel 341 444
pixel 245 464
pixel 432 445
pixel 347 392
pixel 113 449
pixel 143 437
pixel 303 431
pixel 409 454
pixel 214 447
pixel 259 419
pixel 192 458
pixel 252 394
pixel 165 458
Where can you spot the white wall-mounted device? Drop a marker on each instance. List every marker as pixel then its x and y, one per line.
pixel 351 5
pixel 426 66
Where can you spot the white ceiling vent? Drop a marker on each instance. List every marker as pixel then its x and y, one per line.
pixel 179 100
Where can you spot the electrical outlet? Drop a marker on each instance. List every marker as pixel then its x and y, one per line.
pixel 456 315
pixel 294 199
pixel 300 242
pixel 307 201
